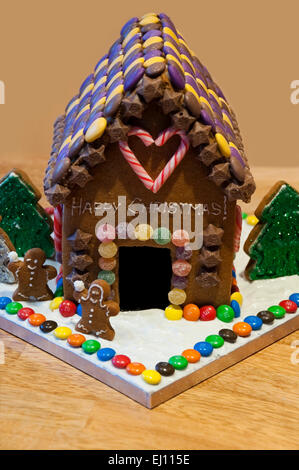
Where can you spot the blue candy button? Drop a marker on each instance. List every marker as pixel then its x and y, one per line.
pixel 236 308
pixel 4 301
pixel 295 298
pixel 255 322
pixel 204 348
pixel 79 310
pixel 106 354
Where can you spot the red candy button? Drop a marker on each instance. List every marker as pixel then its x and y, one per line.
pixel 25 313
pixel 121 361
pixel 288 305
pixel 67 308
pixel 207 313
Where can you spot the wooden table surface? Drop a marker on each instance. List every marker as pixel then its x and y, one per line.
pixel 47 404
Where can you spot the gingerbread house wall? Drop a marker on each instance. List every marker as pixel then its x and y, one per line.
pixel 188 184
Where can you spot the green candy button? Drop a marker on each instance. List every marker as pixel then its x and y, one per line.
pixel 225 313
pixel 13 307
pixel 178 362
pixel 277 310
pixel 91 346
pixel 162 235
pixel 215 340
pixel 107 276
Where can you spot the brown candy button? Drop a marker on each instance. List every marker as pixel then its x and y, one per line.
pixel 237 169
pixel 155 69
pixel 61 170
pixel 228 335
pixel 192 104
pixel 164 368
pixel 266 316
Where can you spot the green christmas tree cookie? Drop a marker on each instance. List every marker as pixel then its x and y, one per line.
pixel 23 219
pixel 273 244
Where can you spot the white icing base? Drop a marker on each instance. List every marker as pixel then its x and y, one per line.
pixel 148 337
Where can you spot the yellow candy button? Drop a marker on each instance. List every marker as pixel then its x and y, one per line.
pixel 223 145
pixel 96 130
pixel 151 377
pixel 173 312
pixel 54 304
pixel 107 249
pixel 177 296
pixel 252 219
pixel 238 297
pixel 143 232
pixel 62 332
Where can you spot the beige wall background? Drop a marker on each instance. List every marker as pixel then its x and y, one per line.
pixel 48 47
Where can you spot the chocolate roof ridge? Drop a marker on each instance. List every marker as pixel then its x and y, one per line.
pixel 149 62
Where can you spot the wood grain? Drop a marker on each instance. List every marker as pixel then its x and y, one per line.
pixel 47 404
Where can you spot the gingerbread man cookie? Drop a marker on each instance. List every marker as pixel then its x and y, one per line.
pixel 32 275
pixel 96 310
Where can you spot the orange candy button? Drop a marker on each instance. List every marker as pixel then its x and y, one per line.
pixel 76 340
pixel 242 328
pixel 191 312
pixel 135 368
pixel 36 319
pixel 191 355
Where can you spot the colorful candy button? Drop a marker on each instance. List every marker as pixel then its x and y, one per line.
pixel 177 296
pixel 180 238
pixel 105 232
pixel 242 328
pixel 191 312
pixel 4 301
pixel 173 312
pixel 165 369
pixel 54 304
pixel 236 307
pixel 295 298
pixel 107 276
pixel 62 332
pixel 107 264
pixel 178 362
pixel 105 354
pixel 151 377
pixel 162 235
pixel 277 310
pixel 91 346
pixel 191 355
pixel 67 308
pixel 228 335
pixel 225 313
pixel 36 319
pixel 107 250
pixel 143 232
pixel 79 310
pixel 96 129
pixel 25 313
pixel 238 297
pixel 254 321
pixel 76 340
pixel 207 313
pixel 120 361
pixel 204 348
pixel 223 145
pixel 135 368
pixel 289 305
pixel 181 267
pixel 48 326
pixel 266 317
pixel 215 340
pixel 13 307
pixel 252 219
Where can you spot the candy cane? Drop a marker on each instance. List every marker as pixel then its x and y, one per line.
pixel 149 183
pixel 176 158
pixel 238 228
pixel 58 231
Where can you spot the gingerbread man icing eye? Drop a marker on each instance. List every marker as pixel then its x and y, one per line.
pixel 36 261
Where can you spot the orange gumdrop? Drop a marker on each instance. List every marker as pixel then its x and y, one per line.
pixel 191 312
pixel 242 328
pixel 76 340
pixel 36 319
pixel 135 368
pixel 191 355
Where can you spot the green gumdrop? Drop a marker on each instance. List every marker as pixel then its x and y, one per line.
pixel 162 235
pixel 13 307
pixel 215 340
pixel 178 362
pixel 91 346
pixel 107 276
pixel 277 310
pixel 225 313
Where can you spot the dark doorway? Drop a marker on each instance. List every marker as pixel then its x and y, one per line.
pixel 144 277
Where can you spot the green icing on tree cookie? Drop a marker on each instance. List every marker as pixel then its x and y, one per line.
pixel 276 248
pixel 23 219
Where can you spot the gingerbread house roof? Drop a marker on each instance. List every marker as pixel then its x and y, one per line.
pixel 150 61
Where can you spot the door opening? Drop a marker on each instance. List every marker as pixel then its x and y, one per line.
pixel 144 277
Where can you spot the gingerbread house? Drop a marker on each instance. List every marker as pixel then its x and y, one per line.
pixel 149 127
